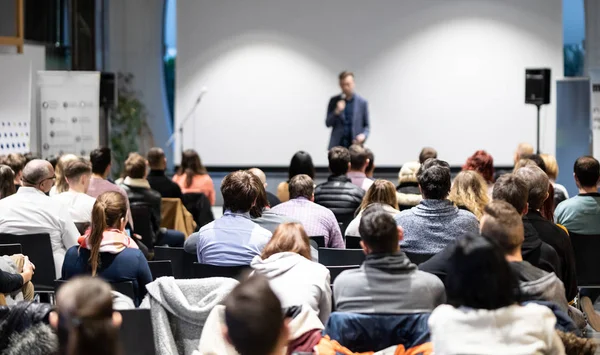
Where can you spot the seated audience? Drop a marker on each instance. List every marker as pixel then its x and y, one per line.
pixel 295 279
pixel 427 153
pixel 194 178
pixel 15 279
pixel 469 192
pixel 156 177
pixel 232 239
pixel 523 150
pixel 408 192
pixel 382 192
pixel 7 184
pixel 560 192
pixel 85 319
pixel 386 282
pixel 483 315
pixel 371 167
pixel 261 212
pixel 61 185
pixel 273 200
pixel 106 251
pixel 550 233
pixel 77 174
pixel 317 220
pixel 339 194
pixel 30 211
pixel 301 164
pixel 435 222
pixel 359 161
pixel 483 163
pixel 16 162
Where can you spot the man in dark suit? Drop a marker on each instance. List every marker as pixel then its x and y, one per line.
pixel 347 115
pixel 157 178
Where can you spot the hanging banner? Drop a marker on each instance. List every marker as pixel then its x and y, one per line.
pixel 15 104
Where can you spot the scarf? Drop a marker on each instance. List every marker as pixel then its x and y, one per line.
pixel 113 241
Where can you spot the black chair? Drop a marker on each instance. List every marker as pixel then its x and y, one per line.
pixel 335 271
pixel 203 271
pixel 320 240
pixel 353 242
pixel 199 206
pixel 125 287
pixel 587 262
pixel 181 262
pixel 142 217
pixel 160 268
pixel 39 250
pixel 82 227
pixel 344 220
pixel 136 333
pixel 11 249
pixel 338 257
pixel 418 259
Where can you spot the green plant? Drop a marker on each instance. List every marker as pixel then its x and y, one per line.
pixel 574 57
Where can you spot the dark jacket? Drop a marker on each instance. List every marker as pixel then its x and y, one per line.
pixel 273 200
pixel 10 282
pixel 408 195
pixel 163 185
pixel 340 195
pixel 360 121
pixel 149 197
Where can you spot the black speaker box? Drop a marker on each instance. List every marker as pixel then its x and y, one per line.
pixel 108 90
pixel 537 86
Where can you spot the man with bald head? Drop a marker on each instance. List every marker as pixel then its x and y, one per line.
pixel 273 200
pixel 31 211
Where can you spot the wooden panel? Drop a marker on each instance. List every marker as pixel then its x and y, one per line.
pixel 20 26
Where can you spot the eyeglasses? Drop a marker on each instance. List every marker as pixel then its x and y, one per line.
pixel 50 178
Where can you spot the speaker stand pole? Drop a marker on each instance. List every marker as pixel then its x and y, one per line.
pixel 539 151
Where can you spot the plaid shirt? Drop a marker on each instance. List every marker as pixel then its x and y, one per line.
pixel 317 220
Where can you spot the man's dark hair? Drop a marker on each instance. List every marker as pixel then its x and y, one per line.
pixel 135 166
pixel 358 156
pixel 587 171
pixel 537 183
pixel 427 153
pixel 539 161
pixel 155 157
pixel 301 186
pixel 512 189
pixel 371 157
pixel 74 169
pixel 100 159
pixel 434 179
pixel 239 192
pixel 262 201
pixel 378 230
pixel 339 157
pixel 253 317
pixel 343 75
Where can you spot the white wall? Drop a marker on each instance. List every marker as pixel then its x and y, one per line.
pixel 444 73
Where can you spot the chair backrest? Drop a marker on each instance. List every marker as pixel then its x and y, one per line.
pixel 353 242
pixel 587 262
pixel 11 249
pixel 203 271
pixel 418 258
pixel 181 262
pixel 141 214
pixel 82 227
pixel 335 271
pixel 39 250
pixel 320 240
pixel 125 287
pixel 136 333
pixel 160 268
pixel 344 220
pixel 199 206
pixel 338 257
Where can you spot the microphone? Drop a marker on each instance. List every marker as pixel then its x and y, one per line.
pixel 343 96
pixel 203 92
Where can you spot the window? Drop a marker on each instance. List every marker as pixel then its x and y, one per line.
pixel 573 37
pixel 170 53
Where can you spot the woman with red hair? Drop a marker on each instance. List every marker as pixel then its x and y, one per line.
pixel 483 163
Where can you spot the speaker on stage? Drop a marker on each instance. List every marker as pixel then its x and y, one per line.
pixel 537 86
pixel 108 89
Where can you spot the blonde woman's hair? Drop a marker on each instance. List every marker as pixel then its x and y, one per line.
pixel 61 181
pixel 381 191
pixel 288 237
pixel 469 190
pixel 551 166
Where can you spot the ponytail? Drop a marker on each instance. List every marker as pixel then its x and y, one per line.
pixel 98 228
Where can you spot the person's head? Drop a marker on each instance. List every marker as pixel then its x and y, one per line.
pixel 101 160
pixel 136 167
pixel 575 345
pixel 523 163
pixel 288 237
pixel 502 223
pixel 537 159
pixel 302 186
pixel 339 160
pixel 259 174
pixel 262 201
pixel 483 163
pixel 301 164
pixel 479 276
pixel 85 320
pixel 38 174
pixel 587 172
pixel 469 190
pixel 191 165
pixel 523 149
pixel 381 191
pixel 78 174
pixel 16 162
pixel 7 181
pixel 254 319
pixel 379 232
pixel 359 160
pixel 551 166
pixel 537 184
pixel 371 165
pixel 61 183
pixel 434 179
pixel 109 212
pixel 512 189
pixel 156 159
pixel 427 153
pixel 408 172
pixel 347 82
pixel 239 191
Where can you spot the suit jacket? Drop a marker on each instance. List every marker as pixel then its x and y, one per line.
pixel 165 186
pixel 360 121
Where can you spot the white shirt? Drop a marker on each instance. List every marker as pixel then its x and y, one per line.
pixel 30 211
pixel 78 204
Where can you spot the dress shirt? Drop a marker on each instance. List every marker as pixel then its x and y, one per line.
pixel 30 211
pixel 360 179
pixel 317 220
pixel 99 186
pixel 78 204
pixel 348 117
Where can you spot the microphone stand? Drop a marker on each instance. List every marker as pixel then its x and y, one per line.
pixel 182 125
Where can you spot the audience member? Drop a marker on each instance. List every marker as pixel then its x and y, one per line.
pixel 61 185
pixel 575 345
pixel 556 237
pixel 77 173
pixel 16 162
pixel 317 220
pixel 106 251
pixel 261 213
pixel 560 192
pixel 382 192
pixel 13 282
pixel 359 161
pixel 523 150
pixel 386 282
pixel 436 221
pixel 156 177
pixel 427 153
pixel 30 211
pixel 537 159
pixel 232 239
pixel 295 279
pixel 469 192
pixel 194 178
pixel 301 164
pixel 483 163
pixel 25 330
pixel 273 200
pixel 85 320
pixel 7 181
pixel 371 167
pixel 339 194
pixel 408 192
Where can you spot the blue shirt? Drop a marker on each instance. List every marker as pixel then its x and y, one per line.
pixel 231 240
pixel 348 117
pixel 580 214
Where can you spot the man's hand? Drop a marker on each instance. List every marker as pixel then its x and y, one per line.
pixel 360 139
pixel 28 269
pixel 340 107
